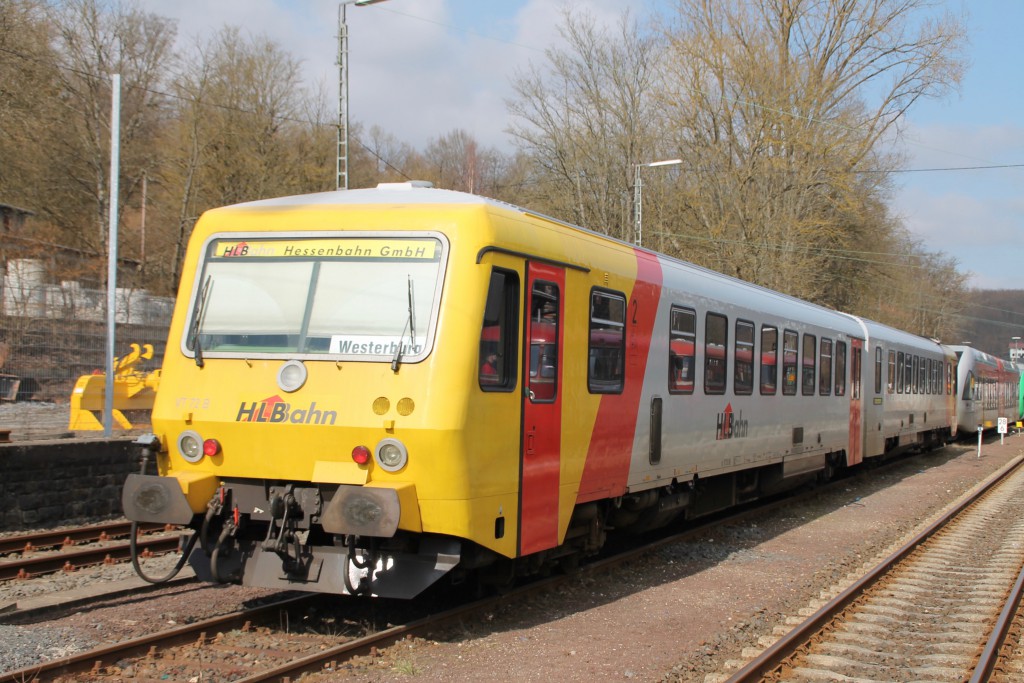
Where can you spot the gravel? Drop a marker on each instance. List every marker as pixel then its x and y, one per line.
pixel 689 612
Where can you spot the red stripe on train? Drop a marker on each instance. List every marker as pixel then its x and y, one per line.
pixel 611 444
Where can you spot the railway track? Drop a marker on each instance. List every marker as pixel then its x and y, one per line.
pixel 260 645
pixel 27 555
pixel 937 609
pixel 222 647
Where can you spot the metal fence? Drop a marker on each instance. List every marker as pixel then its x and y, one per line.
pixel 52 333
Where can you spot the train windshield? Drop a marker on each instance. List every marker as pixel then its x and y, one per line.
pixel 366 297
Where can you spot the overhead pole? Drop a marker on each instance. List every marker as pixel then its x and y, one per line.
pixel 342 164
pixel 638 197
pixel 115 164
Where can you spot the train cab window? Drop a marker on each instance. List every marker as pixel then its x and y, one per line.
pixel 840 368
pixel 682 344
pixel 499 333
pixel 891 381
pixel 878 370
pixel 969 388
pixel 825 367
pixel 743 359
pixel 790 340
pixel 543 361
pixel 606 369
pixel 769 360
pixel 900 372
pixel 807 365
pixel 716 340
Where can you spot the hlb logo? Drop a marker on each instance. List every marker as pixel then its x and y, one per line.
pixel 276 409
pixel 731 425
pixel 240 249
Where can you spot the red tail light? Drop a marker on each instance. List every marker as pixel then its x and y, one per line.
pixel 211 447
pixel 361 455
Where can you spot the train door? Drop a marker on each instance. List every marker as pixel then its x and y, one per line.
pixel 540 464
pixel 856 451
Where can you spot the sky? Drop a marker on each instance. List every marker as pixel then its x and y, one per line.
pixel 422 68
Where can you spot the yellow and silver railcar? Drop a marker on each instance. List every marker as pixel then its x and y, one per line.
pixel 365 391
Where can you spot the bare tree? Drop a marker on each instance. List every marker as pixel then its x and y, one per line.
pixel 95 40
pixel 245 130
pixel 779 107
pixel 587 118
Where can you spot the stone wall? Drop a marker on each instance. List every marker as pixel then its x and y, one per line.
pixel 56 483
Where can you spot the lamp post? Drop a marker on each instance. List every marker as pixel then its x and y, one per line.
pixel 638 204
pixel 342 165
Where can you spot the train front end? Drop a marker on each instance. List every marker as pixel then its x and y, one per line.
pixel 293 425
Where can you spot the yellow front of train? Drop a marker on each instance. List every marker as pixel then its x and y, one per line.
pixel 311 424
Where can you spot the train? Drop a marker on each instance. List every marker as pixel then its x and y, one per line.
pixel 368 391
pixel 990 388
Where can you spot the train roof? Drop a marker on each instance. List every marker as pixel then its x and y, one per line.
pixel 423 193
pixel 412 192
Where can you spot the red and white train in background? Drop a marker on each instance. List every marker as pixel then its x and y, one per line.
pixel 366 391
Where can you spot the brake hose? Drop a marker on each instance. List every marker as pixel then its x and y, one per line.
pixel 177 567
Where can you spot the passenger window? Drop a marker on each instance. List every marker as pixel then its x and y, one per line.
pixel 825 368
pixel 878 370
pixel 789 356
pixel 743 362
pixel 807 366
pixel 769 360
pixel 841 368
pixel 891 383
pixel 855 373
pixel 544 307
pixel 914 377
pixel 900 372
pixel 716 340
pixel 606 370
pixel 682 344
pixel 499 333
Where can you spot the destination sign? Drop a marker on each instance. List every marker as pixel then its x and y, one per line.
pixel 405 249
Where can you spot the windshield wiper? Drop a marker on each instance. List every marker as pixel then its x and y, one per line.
pixel 197 320
pixel 410 324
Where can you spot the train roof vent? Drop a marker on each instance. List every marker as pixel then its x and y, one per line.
pixel 405 186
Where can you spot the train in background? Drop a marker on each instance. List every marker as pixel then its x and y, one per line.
pixel 989 388
pixel 367 391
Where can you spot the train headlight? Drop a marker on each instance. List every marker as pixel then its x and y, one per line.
pixel 190 445
pixel 392 455
pixel 292 376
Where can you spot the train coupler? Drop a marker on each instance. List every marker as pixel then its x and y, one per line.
pixel 283 535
